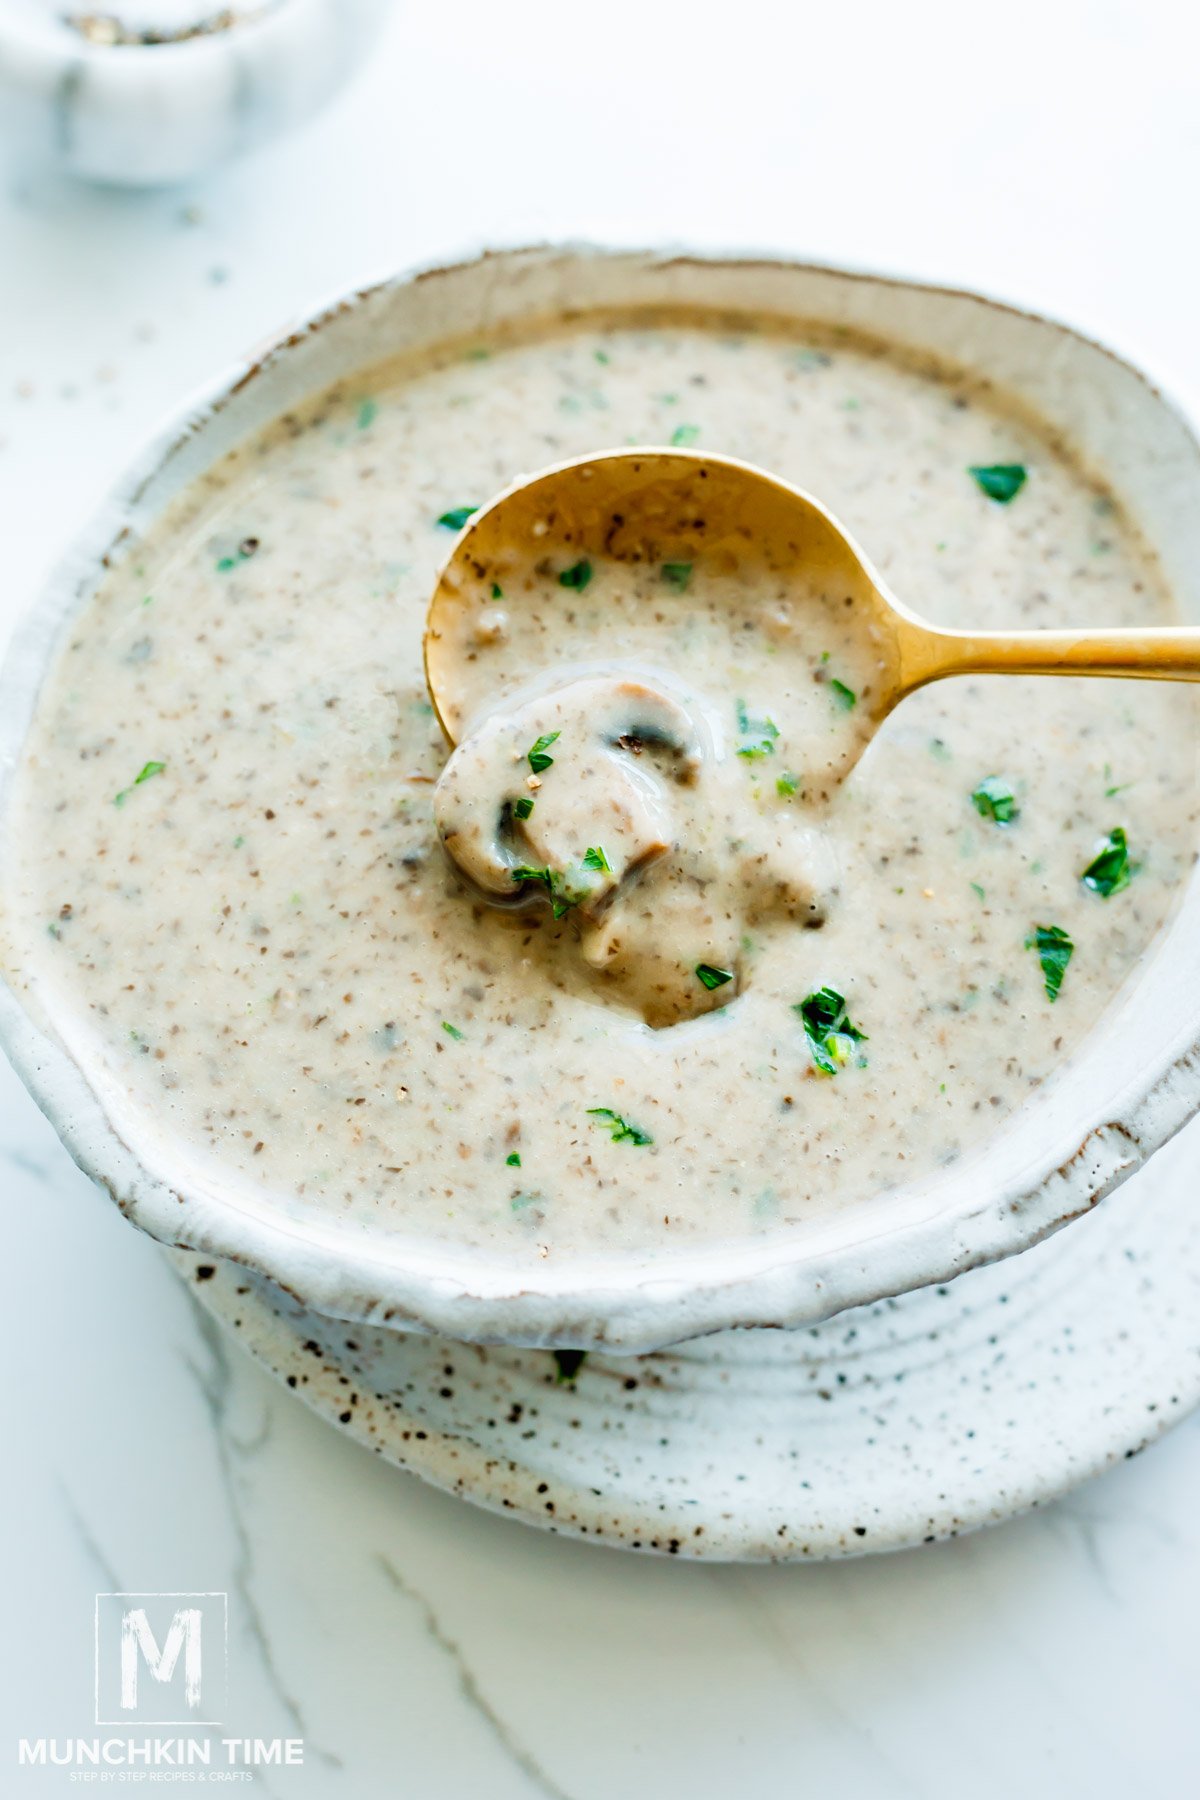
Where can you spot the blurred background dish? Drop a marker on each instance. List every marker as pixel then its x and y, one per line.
pixel 145 93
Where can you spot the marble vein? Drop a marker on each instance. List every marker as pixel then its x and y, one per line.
pixel 469 1686
pixel 741 1586
pixel 89 1543
pixel 214 1383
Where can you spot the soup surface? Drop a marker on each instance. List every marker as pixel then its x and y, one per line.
pixel 226 891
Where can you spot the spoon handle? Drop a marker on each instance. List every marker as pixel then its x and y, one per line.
pixel 1169 654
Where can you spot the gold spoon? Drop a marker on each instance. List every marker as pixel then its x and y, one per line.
pixel 680 505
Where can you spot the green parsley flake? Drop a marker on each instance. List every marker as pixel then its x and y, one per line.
pixel 622 1131
pixel 678 574
pixel 1110 870
pixel 828 1031
pixel 497 591
pixel 526 872
pixel 523 805
pixel 979 892
pixel 994 799
pixel 713 978
pixel 513 1159
pixel 594 858
pixel 367 414
pixel 456 517
pixel 1000 481
pixel 758 735
pixel 538 760
pixel 569 1363
pixel 144 774
pixel 683 435
pixel 786 785
pixel 577 576
pixel 845 697
pixel 452 1031
pixel 561 896
pixel 243 553
pixel 1055 950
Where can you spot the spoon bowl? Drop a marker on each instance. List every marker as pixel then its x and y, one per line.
pixel 679 508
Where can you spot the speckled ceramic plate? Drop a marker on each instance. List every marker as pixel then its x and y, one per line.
pixel 893 1424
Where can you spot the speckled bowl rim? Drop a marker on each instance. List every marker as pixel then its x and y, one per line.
pixel 627 1307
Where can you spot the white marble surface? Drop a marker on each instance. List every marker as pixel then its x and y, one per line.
pixel 421 1648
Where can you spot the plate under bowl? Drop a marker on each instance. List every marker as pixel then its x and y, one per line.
pixel 894 1424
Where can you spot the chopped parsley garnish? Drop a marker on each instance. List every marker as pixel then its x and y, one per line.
pixel 523 805
pixel 994 799
pixel 242 554
pixel 538 760
pixel 513 1159
pixel 678 574
pixel 594 858
pixel 1000 481
pixel 713 978
pixel 1110 870
pixel 845 697
pixel 561 896
pixel 144 774
pixel 577 576
pixel 367 413
pixel 569 1363
pixel 1054 949
pixel 758 735
pixel 497 591
pixel 979 892
pixel 452 1031
pixel 828 1030
pixel 786 785
pixel 456 517
pixel 622 1131
pixel 683 435
pixel 526 872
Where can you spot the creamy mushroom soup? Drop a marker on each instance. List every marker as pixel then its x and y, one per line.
pixel 682 968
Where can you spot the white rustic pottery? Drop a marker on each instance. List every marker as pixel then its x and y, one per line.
pixel 894 1424
pixel 1132 1085
pixel 78 91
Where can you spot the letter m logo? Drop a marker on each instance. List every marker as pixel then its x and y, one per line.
pixel 160 1658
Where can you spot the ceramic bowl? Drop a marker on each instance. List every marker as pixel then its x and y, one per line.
pixel 1132 1084
pixel 78 90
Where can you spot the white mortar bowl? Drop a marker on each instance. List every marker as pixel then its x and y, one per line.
pixel 150 114
pixel 1131 1086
